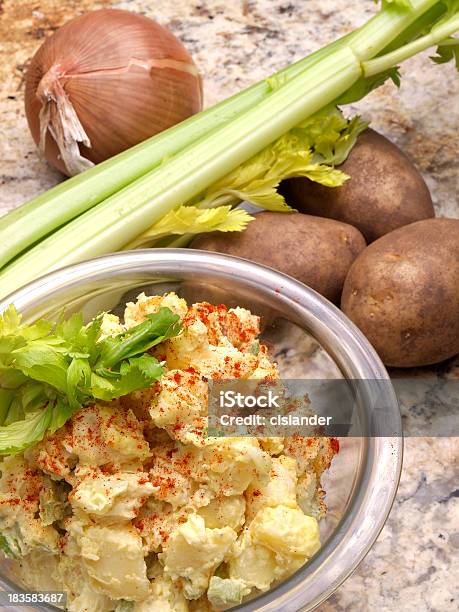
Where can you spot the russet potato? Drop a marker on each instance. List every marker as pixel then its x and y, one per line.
pixel 403 293
pixel 316 251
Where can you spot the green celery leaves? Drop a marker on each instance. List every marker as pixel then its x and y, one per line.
pixel 49 372
pixel 192 220
pixel 19 435
pixel 312 149
pixel 365 85
pixel 139 339
pixel 447 51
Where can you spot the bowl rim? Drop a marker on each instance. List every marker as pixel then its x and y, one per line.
pixel 373 495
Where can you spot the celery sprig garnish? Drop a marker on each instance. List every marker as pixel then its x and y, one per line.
pixel 48 372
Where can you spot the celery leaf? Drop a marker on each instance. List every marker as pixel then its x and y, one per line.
pixel 9 321
pixel 6 399
pixel 447 51
pixel 365 85
pixel 192 220
pixel 136 373
pixel 137 340
pixel 19 435
pixel 43 363
pixel 332 135
pixel 61 412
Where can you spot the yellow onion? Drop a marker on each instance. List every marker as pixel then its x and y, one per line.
pixel 104 82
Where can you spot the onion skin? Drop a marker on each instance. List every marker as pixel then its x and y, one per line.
pixel 125 77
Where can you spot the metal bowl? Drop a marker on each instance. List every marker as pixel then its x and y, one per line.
pixel 306 333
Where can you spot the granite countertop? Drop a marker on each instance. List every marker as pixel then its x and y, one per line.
pixel 412 565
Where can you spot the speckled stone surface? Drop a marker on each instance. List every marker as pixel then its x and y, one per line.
pixel 413 565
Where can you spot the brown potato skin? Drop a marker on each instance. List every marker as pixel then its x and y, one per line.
pixel 403 293
pixel 385 190
pixel 316 251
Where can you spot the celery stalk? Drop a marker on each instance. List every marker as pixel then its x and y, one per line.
pixel 29 223
pixel 435 37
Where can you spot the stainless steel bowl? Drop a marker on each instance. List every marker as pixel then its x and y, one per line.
pixel 322 342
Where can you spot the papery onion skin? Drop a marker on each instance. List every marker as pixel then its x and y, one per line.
pixel 125 76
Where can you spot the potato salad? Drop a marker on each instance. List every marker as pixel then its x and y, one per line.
pixel 131 507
